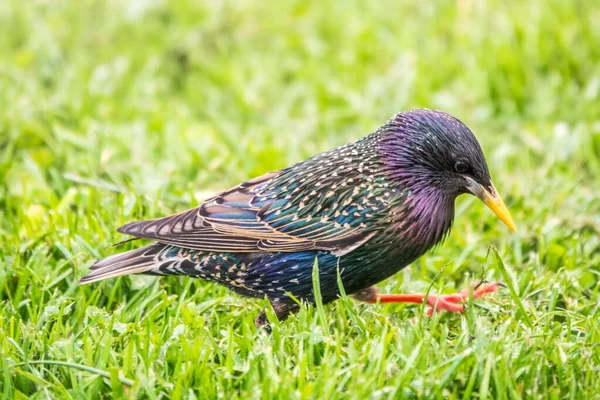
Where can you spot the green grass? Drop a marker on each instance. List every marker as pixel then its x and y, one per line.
pixel 112 111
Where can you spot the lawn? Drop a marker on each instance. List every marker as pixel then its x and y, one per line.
pixel 112 111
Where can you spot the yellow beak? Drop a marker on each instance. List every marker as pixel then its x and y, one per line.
pixel 492 199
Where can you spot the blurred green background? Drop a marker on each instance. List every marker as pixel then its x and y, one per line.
pixel 118 110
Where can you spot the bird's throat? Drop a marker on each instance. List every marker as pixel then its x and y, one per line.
pixel 426 222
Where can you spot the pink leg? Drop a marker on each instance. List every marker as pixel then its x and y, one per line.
pixel 446 302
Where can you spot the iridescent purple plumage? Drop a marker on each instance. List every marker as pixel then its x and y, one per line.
pixel 419 152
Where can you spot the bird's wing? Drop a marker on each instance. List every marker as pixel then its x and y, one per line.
pixel 285 211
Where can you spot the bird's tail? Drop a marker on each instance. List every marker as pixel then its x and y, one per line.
pixel 131 262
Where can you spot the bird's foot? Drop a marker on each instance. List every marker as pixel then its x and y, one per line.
pixel 282 311
pixel 449 302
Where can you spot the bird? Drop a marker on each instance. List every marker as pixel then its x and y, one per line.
pixel 358 213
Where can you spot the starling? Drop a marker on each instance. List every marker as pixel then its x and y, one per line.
pixel 363 211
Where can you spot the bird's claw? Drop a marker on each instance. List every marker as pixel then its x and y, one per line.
pixel 449 302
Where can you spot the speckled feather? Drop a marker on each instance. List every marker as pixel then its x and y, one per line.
pixel 367 209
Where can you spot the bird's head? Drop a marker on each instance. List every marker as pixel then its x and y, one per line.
pixel 430 151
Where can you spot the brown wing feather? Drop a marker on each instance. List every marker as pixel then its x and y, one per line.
pixel 229 222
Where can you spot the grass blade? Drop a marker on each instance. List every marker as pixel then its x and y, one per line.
pixel 102 373
pixel 513 292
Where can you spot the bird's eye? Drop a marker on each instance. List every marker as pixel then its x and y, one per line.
pixel 461 167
